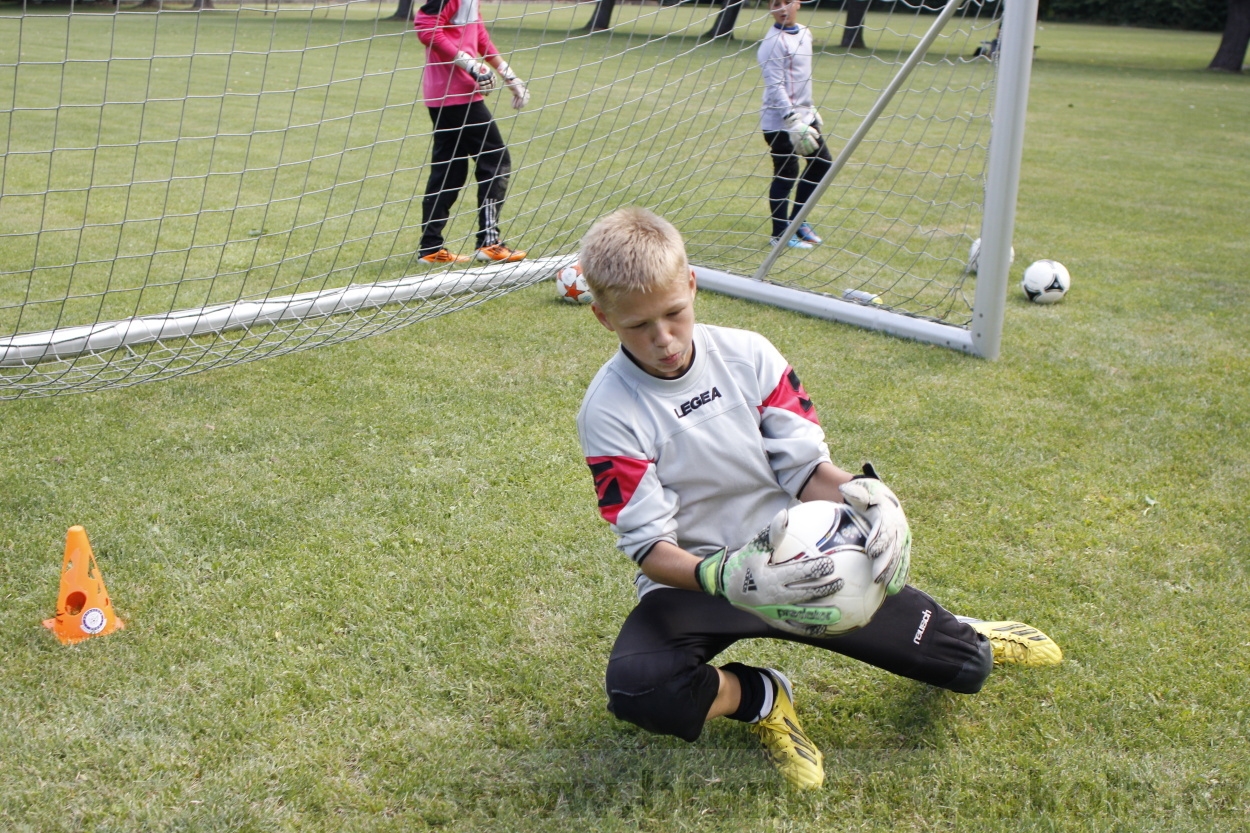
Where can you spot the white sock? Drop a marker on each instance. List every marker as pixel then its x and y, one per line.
pixel 770 695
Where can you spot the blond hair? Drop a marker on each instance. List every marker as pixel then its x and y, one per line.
pixel 630 250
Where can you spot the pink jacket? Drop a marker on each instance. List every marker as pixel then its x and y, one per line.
pixel 447 27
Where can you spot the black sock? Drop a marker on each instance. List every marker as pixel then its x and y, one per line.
pixel 756 688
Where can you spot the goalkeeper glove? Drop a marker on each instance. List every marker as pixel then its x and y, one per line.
pixel 749 581
pixel 804 137
pixel 520 93
pixel 478 71
pixel 889 540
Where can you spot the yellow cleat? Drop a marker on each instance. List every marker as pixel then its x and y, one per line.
pixel 788 745
pixel 1016 643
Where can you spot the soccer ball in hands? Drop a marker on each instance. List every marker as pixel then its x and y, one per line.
pixel 822 528
pixel 571 285
pixel 974 255
pixel 1046 282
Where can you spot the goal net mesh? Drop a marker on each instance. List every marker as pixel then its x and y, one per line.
pixel 184 189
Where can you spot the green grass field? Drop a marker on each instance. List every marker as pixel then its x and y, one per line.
pixel 366 587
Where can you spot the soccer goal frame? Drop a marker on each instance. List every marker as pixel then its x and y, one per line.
pixel 983 337
pixel 182 190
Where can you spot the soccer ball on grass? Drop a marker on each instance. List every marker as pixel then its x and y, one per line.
pixel 974 256
pixel 571 285
pixel 1046 282
pixel 822 528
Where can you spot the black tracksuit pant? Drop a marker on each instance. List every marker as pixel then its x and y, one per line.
pixel 463 132
pixel 786 173
pixel 659 678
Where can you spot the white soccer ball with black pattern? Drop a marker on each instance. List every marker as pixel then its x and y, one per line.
pixel 822 528
pixel 571 285
pixel 974 256
pixel 1046 282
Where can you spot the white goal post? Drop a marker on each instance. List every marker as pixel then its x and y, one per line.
pixel 182 188
pixel 983 336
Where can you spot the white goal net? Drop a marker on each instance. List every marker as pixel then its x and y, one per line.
pixel 182 189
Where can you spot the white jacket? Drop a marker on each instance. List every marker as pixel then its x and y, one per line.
pixel 785 58
pixel 704 461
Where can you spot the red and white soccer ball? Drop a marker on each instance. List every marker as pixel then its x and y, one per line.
pixel 571 286
pixel 834 530
pixel 1046 282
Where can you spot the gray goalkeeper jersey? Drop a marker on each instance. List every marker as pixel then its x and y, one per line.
pixel 785 58
pixel 704 461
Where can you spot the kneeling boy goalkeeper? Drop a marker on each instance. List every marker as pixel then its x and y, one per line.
pixel 697 436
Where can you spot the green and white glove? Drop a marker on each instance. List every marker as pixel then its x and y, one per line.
pixel 749 581
pixel 804 137
pixel 889 540
pixel 478 71
pixel 520 93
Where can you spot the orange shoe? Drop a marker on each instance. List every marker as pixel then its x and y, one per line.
pixel 441 257
pixel 498 253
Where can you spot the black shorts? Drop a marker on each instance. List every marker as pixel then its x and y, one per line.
pixel 659 678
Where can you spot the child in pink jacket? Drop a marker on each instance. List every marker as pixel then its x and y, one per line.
pixel 459 56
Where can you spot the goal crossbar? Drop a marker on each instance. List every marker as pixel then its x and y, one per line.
pixel 69 342
pixel 868 316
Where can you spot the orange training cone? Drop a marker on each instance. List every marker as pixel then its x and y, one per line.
pixel 83 609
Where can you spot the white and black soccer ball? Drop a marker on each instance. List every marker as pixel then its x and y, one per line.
pixel 834 530
pixel 974 256
pixel 1046 282
pixel 571 285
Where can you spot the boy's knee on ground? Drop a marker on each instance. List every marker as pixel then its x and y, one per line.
pixel 661 693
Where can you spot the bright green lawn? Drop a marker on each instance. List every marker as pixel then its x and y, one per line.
pixel 366 587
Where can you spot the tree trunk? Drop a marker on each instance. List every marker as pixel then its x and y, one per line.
pixel 404 11
pixel 1232 52
pixel 724 26
pixel 602 19
pixel 853 31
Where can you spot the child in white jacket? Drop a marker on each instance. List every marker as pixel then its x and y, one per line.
pixel 790 122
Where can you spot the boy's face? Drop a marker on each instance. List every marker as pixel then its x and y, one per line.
pixel 785 12
pixel 657 327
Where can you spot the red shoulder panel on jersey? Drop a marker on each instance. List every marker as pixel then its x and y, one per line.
pixel 616 480
pixel 790 396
